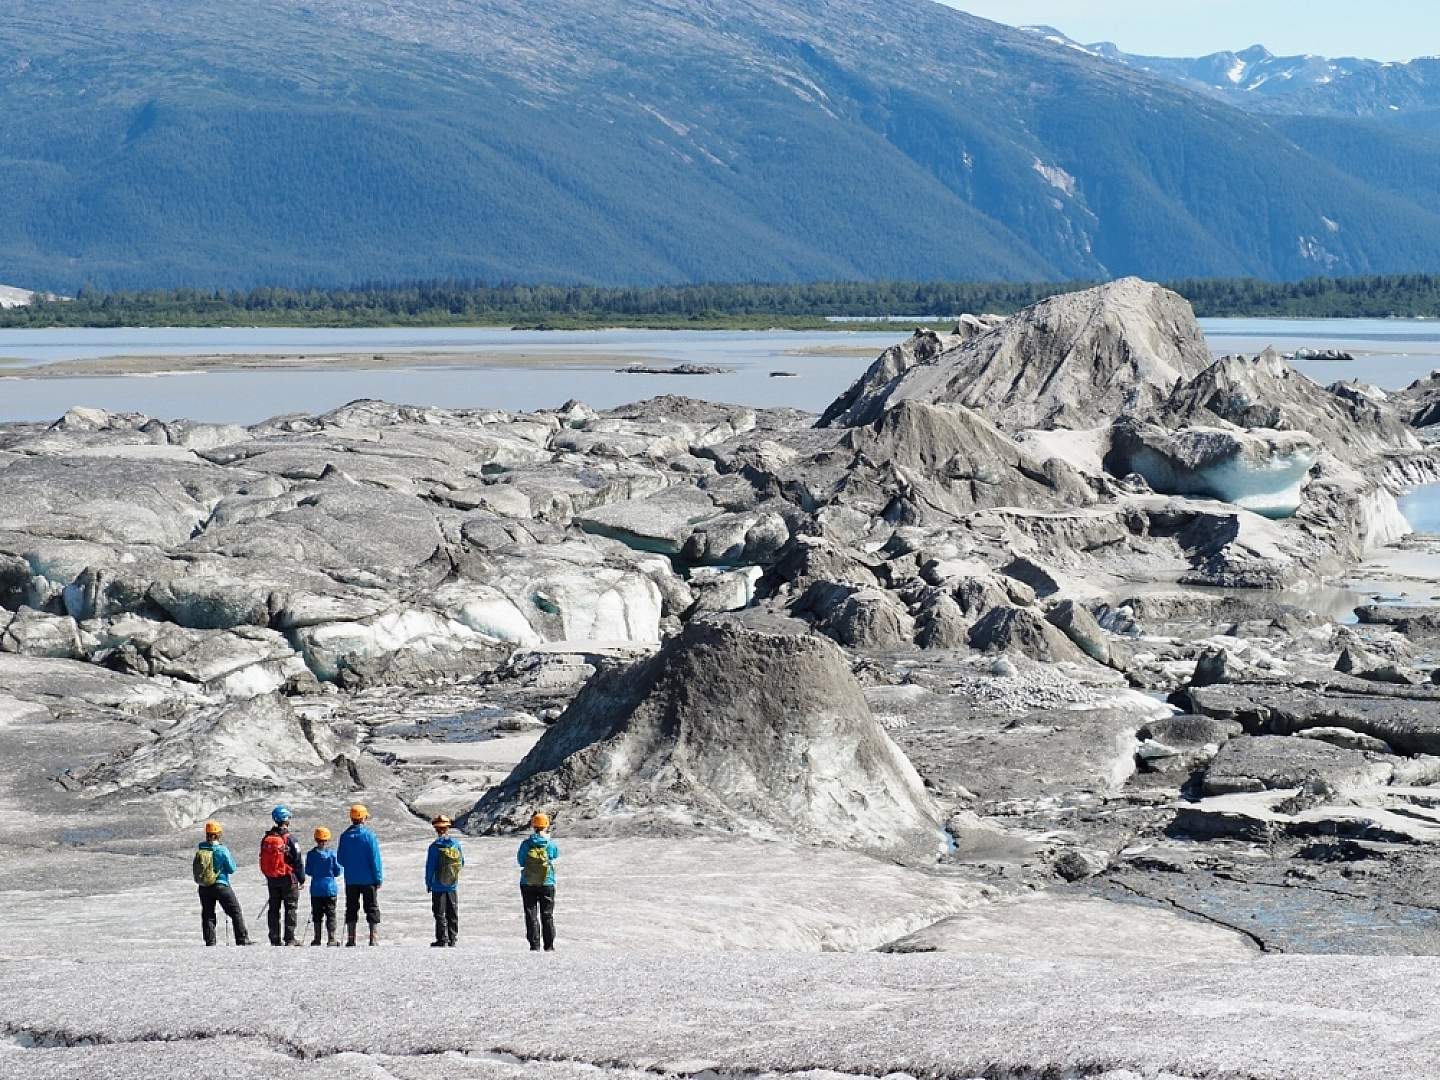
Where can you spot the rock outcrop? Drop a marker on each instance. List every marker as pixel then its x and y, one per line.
pixel 743 723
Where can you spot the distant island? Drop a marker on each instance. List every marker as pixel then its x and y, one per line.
pixel 881 305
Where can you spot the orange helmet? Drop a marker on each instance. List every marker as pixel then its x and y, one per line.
pixel 540 821
pixel 213 828
pixel 322 834
pixel 440 821
pixel 358 812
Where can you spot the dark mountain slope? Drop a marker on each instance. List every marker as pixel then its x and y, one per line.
pixel 1383 155
pixel 661 140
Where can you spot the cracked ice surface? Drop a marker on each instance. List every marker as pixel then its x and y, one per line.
pixel 348 1013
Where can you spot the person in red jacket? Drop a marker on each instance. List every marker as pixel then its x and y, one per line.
pixel 284 872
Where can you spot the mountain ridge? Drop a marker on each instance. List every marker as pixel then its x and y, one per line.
pixel 639 143
pixel 1259 80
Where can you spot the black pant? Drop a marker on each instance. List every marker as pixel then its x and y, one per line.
pixel 322 913
pixel 539 903
pixel 284 895
pixel 354 895
pixel 446 908
pixel 210 895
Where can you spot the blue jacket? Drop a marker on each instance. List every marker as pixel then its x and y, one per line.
pixel 323 868
pixel 538 840
pixel 224 864
pixel 359 855
pixel 432 864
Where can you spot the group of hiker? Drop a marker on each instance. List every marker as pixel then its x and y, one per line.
pixel 356 859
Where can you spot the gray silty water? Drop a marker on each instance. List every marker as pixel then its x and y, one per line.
pixel 583 368
pixel 1389 353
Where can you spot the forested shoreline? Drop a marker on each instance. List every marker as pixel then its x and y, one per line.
pixel 719 306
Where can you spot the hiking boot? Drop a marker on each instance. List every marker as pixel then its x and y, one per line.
pixel 452 944
pixel 374 935
pixel 437 944
pixel 350 934
pixel 332 941
pixel 317 938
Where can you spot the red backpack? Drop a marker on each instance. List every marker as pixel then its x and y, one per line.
pixel 275 856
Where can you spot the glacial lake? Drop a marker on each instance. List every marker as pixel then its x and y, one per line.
pixel 529 369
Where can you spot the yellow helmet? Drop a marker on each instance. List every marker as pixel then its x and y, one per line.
pixel 540 821
pixel 213 828
pixel 322 833
pixel 358 812
pixel 440 821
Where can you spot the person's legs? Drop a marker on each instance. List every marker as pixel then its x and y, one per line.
pixel 547 916
pixel 452 916
pixel 530 898
pixel 352 912
pixel 331 903
pixel 290 896
pixel 207 913
pixel 275 910
pixel 230 904
pixel 317 918
pixel 372 911
pixel 437 908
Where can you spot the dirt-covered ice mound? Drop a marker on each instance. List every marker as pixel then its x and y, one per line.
pixel 1073 361
pixel 745 723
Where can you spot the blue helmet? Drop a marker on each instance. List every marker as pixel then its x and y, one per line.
pixel 280 815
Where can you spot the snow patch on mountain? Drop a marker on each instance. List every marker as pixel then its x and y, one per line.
pixel 1056 177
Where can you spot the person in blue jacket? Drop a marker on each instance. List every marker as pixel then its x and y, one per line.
pixel 443 863
pixel 359 855
pixel 212 867
pixel 537 857
pixel 322 868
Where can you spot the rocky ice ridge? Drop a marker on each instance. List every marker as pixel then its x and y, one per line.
pixel 1419 403
pixel 242 560
pixel 923 347
pixel 708 624
pixel 219 756
pixel 1072 361
pixel 1125 368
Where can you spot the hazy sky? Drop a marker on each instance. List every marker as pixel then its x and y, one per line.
pixel 1379 29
